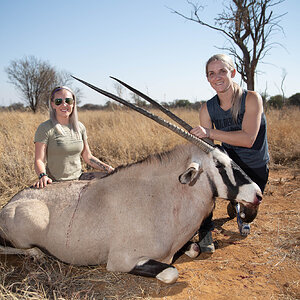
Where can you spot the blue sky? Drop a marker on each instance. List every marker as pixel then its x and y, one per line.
pixel 139 41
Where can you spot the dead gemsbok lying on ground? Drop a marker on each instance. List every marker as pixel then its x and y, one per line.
pixel 134 219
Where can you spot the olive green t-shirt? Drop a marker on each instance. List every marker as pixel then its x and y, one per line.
pixel 63 150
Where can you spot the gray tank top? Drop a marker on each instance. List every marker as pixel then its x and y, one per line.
pixel 255 157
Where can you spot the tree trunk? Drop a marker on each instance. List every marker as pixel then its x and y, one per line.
pixel 250 80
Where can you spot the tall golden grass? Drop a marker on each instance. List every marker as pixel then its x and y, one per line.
pixel 120 137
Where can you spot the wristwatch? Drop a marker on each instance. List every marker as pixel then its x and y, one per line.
pixel 42 175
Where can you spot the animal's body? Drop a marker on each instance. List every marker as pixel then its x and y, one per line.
pixel 135 219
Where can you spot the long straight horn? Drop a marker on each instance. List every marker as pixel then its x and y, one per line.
pixel 162 108
pixel 191 138
pixel 156 104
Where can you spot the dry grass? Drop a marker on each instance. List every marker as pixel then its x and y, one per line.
pixel 284 136
pixel 121 137
pixel 117 137
pixel 24 279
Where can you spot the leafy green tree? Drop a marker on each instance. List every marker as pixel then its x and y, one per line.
pixel 17 107
pixel 294 100
pixel 182 103
pixel 275 102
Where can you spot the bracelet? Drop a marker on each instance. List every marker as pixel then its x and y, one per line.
pixel 42 175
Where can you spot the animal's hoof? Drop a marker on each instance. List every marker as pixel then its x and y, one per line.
pixel 36 254
pixel 169 275
pixel 193 250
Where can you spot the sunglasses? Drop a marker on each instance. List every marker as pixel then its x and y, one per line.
pixel 59 101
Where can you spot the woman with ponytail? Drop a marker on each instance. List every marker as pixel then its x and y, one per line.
pixel 234 117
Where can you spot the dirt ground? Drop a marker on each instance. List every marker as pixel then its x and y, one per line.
pixel 264 265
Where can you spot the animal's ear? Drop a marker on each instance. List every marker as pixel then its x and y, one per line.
pixel 191 174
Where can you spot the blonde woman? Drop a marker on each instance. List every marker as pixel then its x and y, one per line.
pixel 236 118
pixel 61 141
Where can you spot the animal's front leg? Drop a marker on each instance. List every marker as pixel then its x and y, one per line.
pixel 35 252
pixel 152 268
pixel 192 249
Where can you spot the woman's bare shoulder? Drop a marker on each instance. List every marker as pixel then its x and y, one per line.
pixel 253 98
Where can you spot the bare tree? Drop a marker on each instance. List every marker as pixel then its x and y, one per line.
pixel 32 78
pixel 35 78
pixel 284 74
pixel 137 100
pixel 120 90
pixel 248 26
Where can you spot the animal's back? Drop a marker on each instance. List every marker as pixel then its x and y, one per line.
pixel 32 214
pixel 52 194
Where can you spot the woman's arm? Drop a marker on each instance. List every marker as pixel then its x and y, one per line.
pixel 250 126
pixel 93 161
pixel 39 165
pixel 204 129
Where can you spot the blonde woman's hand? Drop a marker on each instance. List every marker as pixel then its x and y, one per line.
pixel 201 132
pixel 42 182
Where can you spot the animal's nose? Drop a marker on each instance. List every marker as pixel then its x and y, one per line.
pixel 258 199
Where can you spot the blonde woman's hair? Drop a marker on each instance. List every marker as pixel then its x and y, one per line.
pixel 73 116
pixel 237 90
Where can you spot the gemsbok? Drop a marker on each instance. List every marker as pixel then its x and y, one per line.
pixel 134 219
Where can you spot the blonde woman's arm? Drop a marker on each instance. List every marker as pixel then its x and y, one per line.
pixel 93 161
pixel 39 165
pixel 250 126
pixel 204 129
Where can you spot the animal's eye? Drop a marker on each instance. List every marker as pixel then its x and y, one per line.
pixel 218 165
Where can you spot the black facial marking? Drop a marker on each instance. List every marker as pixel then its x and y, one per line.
pixel 240 176
pixel 213 187
pixel 232 190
